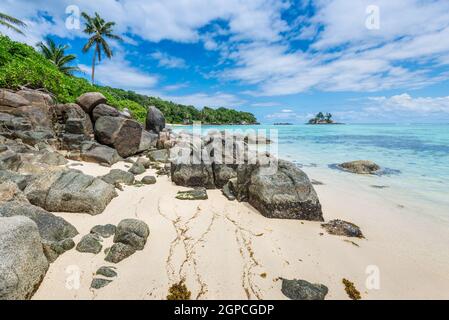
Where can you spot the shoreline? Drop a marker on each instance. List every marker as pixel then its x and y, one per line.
pixel 222 248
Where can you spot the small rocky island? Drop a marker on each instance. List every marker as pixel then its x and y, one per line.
pixel 323 118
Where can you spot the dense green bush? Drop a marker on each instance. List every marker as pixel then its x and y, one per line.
pixel 21 65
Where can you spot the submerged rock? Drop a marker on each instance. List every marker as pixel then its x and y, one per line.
pixel 303 290
pixel 195 194
pixel 23 264
pixel 360 167
pixel 342 228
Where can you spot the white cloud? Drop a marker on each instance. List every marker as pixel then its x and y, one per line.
pixel 406 103
pixel 117 72
pixel 168 61
pixel 266 104
pixel 407 52
pixel 410 50
pixel 200 100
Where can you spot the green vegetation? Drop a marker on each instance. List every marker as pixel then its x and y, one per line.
pixel 56 54
pixel 11 23
pixel 322 118
pixel 99 30
pixel 21 65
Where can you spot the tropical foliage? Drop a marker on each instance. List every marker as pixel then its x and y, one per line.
pixel 56 54
pixel 99 30
pixel 11 23
pixel 21 65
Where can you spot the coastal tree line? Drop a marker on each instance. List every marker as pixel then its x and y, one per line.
pixel 59 78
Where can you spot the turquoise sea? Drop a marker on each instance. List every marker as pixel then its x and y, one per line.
pixel 415 156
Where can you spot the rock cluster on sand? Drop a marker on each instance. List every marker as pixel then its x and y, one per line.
pixel 36 137
pixel 360 167
pixel 303 290
pixel 276 188
pixel 131 235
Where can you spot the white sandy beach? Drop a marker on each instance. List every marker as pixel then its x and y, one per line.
pixel 223 249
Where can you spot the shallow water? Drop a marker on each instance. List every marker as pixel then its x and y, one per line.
pixel 415 155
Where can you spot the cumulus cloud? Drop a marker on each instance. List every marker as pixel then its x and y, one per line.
pixel 406 103
pixel 214 100
pixel 256 44
pixel 168 61
pixel 119 73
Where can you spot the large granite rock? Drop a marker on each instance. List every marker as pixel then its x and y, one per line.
pixel 19 179
pixel 285 193
pixel 193 175
pixel 56 233
pixel 11 99
pixel 36 98
pixel 92 151
pixel 9 191
pixel 148 140
pixel 70 191
pixel 360 167
pixel 75 125
pixel 120 133
pixel 104 110
pixel 90 100
pixel 155 120
pixel 22 261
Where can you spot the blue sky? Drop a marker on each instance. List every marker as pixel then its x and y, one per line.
pixel 363 61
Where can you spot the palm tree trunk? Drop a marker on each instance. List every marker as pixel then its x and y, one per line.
pixel 93 65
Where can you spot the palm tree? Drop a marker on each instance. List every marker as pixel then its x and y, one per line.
pixel 56 54
pixel 99 30
pixel 11 22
